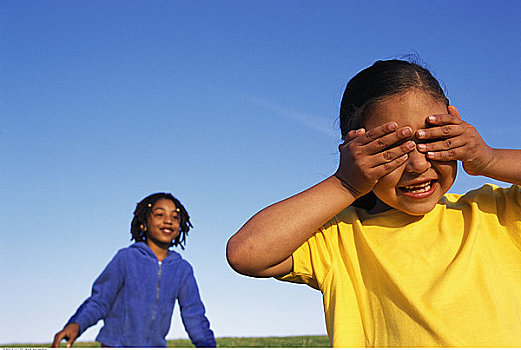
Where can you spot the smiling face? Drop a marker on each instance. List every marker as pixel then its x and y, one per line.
pixel 162 224
pixel 417 185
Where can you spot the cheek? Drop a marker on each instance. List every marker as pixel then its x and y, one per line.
pixel 447 171
pixel 387 184
pixel 393 178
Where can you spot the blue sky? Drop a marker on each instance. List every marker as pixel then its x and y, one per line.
pixel 229 105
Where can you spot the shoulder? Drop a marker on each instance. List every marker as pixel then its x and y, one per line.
pixel 503 202
pixel 181 263
pixel 121 254
pixel 128 251
pixel 488 192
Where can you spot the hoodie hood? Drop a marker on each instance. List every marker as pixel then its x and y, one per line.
pixel 146 252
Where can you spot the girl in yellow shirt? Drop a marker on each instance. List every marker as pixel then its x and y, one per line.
pixel 399 261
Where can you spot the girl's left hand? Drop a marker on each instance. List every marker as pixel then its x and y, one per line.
pixel 450 138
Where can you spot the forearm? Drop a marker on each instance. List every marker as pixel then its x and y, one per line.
pixel 272 235
pixel 193 314
pixel 505 166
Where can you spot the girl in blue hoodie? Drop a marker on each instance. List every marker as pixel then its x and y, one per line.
pixel 136 293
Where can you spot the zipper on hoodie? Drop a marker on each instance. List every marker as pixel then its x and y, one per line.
pixel 157 301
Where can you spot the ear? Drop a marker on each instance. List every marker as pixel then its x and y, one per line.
pixel 452 110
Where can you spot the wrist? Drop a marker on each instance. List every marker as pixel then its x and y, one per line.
pixel 488 165
pixel 504 165
pixel 346 187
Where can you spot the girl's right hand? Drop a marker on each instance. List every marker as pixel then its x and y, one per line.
pixel 69 332
pixel 365 157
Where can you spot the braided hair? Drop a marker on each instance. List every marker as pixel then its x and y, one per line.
pixel 143 211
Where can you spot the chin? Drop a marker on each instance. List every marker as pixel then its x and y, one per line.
pixel 417 210
pixel 420 204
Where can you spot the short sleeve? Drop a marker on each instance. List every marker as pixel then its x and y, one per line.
pixel 313 259
pixel 504 202
pixel 509 211
pixel 513 194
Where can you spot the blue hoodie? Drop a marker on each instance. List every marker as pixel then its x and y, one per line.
pixel 135 296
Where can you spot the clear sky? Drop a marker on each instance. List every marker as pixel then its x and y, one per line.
pixel 229 105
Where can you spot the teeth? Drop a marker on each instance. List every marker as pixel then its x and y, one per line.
pixel 425 187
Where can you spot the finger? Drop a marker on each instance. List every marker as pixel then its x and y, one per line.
pixel 440 132
pixel 454 111
pixel 70 341
pixel 351 135
pixel 393 153
pixel 441 119
pixel 374 134
pixel 388 140
pixel 448 155
pixel 443 145
pixel 72 337
pixel 386 168
pixel 57 339
pixel 55 343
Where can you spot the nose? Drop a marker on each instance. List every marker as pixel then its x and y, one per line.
pixel 417 162
pixel 168 220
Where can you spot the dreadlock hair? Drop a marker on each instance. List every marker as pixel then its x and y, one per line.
pixel 143 211
pixel 372 85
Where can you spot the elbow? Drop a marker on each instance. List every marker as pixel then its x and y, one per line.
pixel 234 256
pixel 239 258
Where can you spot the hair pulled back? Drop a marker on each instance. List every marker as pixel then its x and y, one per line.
pixel 143 211
pixel 383 79
pixel 373 84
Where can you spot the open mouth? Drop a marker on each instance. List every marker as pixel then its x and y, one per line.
pixel 167 231
pixel 420 189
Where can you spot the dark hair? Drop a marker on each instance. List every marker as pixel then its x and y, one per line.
pixel 372 85
pixel 143 210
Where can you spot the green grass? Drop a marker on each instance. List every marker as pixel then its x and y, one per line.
pixel 312 341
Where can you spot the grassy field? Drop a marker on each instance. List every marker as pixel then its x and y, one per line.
pixel 313 341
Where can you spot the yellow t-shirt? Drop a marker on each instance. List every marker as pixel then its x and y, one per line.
pixel 449 278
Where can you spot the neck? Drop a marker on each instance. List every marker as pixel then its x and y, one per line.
pixel 379 207
pixel 160 251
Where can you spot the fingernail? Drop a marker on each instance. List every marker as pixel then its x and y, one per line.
pixel 407 131
pixel 432 118
pixel 422 147
pixel 430 154
pixel 393 126
pixel 421 133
